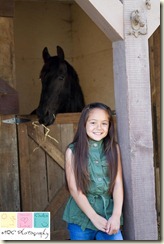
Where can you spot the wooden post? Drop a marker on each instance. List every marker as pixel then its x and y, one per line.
pixel 134 124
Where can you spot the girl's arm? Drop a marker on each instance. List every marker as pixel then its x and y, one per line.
pixel 79 197
pixel 114 221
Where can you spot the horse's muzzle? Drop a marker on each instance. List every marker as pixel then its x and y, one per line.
pixel 45 118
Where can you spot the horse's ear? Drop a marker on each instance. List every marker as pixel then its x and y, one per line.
pixel 45 54
pixel 60 53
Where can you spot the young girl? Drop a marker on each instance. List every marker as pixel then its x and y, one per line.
pixel 94 178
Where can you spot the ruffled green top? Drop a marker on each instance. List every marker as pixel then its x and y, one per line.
pixel 97 195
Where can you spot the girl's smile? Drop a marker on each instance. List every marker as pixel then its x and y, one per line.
pixel 97 124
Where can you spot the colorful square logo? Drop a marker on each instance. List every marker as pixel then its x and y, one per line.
pixel 8 220
pixel 41 220
pixel 24 220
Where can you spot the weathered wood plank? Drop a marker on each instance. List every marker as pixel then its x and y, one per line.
pixel 67 118
pixel 67 134
pixel 59 199
pixel 62 118
pixel 55 132
pixel 38 170
pixel 32 172
pixel 54 171
pixel 40 139
pixel 9 172
pixel 24 166
pixel 55 175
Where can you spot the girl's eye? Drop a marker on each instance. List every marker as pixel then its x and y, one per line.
pixel 105 124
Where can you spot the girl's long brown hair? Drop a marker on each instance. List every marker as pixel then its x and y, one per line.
pixel 80 142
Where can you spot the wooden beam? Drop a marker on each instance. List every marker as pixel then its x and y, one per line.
pixel 63 118
pixel 134 127
pixel 67 118
pixel 134 130
pixel 153 16
pixel 107 15
pixel 50 148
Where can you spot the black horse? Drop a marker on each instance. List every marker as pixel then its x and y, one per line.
pixel 61 91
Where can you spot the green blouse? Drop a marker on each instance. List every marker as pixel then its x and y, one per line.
pixel 97 195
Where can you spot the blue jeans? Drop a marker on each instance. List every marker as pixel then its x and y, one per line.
pixel 76 233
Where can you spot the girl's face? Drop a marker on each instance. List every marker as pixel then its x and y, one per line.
pixel 97 124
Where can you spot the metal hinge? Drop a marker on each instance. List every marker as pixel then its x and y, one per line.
pixel 16 121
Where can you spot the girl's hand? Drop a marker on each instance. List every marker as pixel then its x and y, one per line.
pixel 113 225
pixel 99 222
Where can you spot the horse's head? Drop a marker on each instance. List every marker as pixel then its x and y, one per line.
pixel 53 76
pixel 61 91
